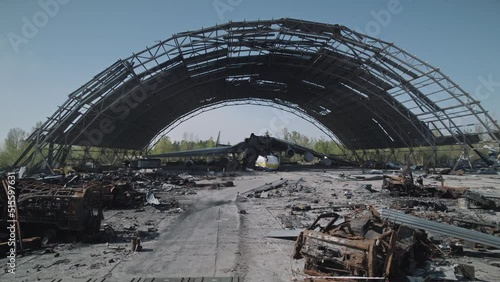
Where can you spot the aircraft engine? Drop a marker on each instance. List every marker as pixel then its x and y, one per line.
pixel 326 161
pixel 290 152
pixel 308 157
pixel 189 163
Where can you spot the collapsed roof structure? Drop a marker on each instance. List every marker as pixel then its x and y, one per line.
pixel 363 92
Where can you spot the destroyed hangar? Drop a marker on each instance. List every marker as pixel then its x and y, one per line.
pixel 363 92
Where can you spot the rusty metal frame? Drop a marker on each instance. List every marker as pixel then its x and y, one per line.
pixel 355 254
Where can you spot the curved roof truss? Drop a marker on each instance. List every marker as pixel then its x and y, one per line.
pixel 368 92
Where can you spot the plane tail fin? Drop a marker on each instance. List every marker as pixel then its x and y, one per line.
pixel 217 142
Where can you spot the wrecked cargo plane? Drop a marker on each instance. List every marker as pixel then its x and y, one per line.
pixel 257 151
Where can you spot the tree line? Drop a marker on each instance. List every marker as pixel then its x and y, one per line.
pixel 166 145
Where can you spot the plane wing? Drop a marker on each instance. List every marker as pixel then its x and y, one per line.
pixel 284 145
pixel 200 152
pixel 252 147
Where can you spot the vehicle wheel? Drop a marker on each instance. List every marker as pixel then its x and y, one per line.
pixel 232 165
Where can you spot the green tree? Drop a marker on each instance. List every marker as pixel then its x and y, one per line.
pixel 300 139
pixel 13 146
pixel 327 147
pixel 164 145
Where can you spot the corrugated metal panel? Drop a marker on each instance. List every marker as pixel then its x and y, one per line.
pixel 154 279
pixel 441 228
pixel 190 279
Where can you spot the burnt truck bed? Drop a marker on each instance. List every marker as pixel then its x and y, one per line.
pixel 51 206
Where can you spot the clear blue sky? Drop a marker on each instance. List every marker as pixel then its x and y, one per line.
pixel 81 38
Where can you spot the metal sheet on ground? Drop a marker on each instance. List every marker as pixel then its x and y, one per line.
pixel 441 228
pixel 285 234
pixel 189 279
pixel 160 279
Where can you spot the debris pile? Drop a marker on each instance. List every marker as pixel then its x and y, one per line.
pixel 71 207
pixel 363 245
pixel 419 232
pixel 44 207
pixel 404 185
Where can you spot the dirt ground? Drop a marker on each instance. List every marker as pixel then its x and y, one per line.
pixel 221 232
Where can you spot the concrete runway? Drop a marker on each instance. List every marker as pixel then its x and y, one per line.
pixel 202 243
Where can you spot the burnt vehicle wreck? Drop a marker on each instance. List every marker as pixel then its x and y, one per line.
pixel 404 185
pixel 361 246
pixel 47 209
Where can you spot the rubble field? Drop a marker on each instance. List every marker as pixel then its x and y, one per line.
pixel 297 224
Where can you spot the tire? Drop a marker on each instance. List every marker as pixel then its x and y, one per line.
pixel 232 165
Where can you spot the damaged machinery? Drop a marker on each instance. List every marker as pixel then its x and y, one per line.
pixel 361 246
pixel 46 209
pixel 404 185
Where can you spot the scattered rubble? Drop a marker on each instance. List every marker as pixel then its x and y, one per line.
pixel 404 185
pixel 356 242
pixel 58 209
pixel 395 227
pixel 480 200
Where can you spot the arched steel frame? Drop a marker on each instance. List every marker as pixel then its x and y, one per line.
pixel 369 92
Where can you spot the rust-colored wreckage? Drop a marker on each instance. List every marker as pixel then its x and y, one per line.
pixel 44 208
pixel 361 246
pixel 389 245
pixel 75 209
pixel 404 185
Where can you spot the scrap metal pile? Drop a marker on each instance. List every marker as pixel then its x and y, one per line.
pixel 363 245
pixel 43 206
pixel 49 207
pixel 404 185
pixel 399 243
